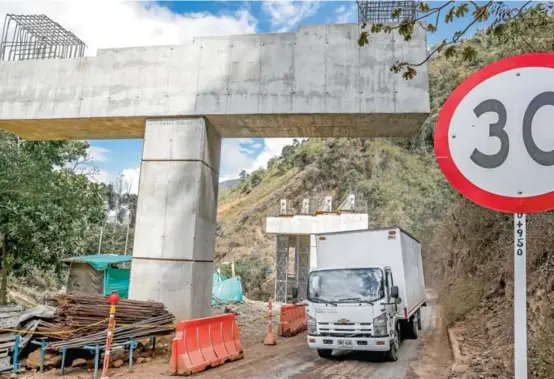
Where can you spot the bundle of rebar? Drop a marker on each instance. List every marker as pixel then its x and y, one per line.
pixel 81 319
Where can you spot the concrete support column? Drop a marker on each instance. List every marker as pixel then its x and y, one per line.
pixel 176 216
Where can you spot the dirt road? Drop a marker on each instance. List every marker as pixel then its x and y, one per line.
pixel 290 359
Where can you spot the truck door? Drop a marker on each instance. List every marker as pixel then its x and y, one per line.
pixel 391 307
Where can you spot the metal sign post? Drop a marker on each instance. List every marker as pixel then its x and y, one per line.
pixel 493 143
pixel 520 296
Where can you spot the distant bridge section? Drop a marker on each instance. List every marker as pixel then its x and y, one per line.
pixel 316 82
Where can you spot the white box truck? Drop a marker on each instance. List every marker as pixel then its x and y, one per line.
pixel 366 291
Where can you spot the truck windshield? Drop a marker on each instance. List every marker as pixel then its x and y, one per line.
pixel 346 285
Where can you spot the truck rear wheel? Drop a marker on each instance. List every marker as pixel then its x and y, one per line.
pixel 412 327
pixel 325 353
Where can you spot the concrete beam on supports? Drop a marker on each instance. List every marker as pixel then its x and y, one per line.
pixel 316 82
pixel 176 216
pixel 322 223
pixel 303 228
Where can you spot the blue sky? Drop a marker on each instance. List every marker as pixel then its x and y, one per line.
pixel 113 23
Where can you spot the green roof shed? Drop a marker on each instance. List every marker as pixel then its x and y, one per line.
pixel 99 274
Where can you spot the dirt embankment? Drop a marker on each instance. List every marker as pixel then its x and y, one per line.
pixel 470 258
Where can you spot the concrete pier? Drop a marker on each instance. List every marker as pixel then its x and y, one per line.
pixel 176 216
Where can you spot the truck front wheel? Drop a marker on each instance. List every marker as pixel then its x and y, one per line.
pixel 392 354
pixel 325 353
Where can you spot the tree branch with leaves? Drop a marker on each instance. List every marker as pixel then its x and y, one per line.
pixel 500 18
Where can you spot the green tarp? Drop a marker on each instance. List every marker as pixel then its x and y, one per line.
pixel 117 279
pixel 226 290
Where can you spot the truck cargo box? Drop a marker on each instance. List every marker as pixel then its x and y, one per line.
pixel 389 247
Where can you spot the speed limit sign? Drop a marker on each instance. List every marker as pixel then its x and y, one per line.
pixel 494 142
pixel 494 138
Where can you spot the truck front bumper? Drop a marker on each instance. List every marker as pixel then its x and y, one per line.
pixel 346 343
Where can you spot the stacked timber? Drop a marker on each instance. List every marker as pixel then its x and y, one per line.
pixel 82 319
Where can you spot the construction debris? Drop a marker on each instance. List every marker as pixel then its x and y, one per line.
pixel 14 318
pixel 81 319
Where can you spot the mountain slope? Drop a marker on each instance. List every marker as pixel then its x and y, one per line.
pixel 399 186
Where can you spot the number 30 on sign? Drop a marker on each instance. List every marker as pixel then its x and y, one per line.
pixel 494 138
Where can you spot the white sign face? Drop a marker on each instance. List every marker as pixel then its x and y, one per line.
pixel 487 134
pixel 495 135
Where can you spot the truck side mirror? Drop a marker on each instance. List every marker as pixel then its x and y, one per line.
pixel 294 292
pixel 394 292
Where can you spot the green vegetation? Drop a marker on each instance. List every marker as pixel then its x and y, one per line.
pixel 47 205
pixel 506 21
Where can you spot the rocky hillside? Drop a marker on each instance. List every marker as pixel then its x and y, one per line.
pixel 468 250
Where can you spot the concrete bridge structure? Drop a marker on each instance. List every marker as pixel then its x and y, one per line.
pixel 316 82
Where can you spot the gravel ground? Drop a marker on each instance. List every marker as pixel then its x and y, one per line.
pixel 291 358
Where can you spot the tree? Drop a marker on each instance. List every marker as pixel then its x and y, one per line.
pixel 256 177
pixel 47 204
pixel 506 21
pixel 243 175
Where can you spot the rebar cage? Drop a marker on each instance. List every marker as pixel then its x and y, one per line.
pixel 376 12
pixel 37 37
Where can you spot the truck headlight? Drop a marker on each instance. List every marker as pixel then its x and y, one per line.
pixel 380 326
pixel 312 324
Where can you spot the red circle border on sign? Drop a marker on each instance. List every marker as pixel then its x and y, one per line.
pixel 531 204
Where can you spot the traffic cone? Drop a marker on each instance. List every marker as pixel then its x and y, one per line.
pixel 269 338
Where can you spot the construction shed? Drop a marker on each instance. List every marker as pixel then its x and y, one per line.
pixel 99 274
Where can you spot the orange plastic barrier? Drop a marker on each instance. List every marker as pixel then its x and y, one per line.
pixel 205 342
pixel 292 320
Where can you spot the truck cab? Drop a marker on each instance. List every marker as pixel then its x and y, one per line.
pixel 357 306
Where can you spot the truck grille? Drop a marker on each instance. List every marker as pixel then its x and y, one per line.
pixel 344 330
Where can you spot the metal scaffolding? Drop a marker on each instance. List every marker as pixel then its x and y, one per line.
pixel 282 268
pixel 37 37
pixel 375 12
pixel 302 254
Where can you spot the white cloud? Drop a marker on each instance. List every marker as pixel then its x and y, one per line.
pixel 285 15
pixel 346 15
pixel 111 24
pixel 233 159
pixel 98 154
pixel 131 178
pixel 273 147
